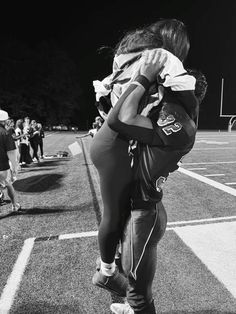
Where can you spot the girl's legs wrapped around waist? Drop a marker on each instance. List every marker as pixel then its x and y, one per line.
pixel 143 231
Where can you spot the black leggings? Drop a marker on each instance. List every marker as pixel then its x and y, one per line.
pixel 35 144
pixel 24 153
pixel 142 233
pixel 109 153
pixel 41 147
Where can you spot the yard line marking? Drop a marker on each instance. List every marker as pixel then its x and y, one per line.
pixel 213 183
pixel 200 221
pixel 210 142
pixel 213 148
pixel 78 235
pixel 13 282
pixel 214 175
pixel 230 183
pixel 197 169
pixel 209 163
pixel 215 246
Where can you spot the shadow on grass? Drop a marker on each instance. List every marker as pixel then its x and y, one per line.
pixel 38 210
pixel 39 183
pixel 34 169
pixel 50 210
pixel 46 163
pixel 46 308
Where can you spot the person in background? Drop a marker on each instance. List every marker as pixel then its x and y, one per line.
pixel 10 127
pixel 22 142
pixel 27 131
pixel 34 139
pixel 8 156
pixel 97 124
pixel 41 137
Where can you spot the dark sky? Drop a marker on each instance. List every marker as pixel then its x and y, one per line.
pixel 81 30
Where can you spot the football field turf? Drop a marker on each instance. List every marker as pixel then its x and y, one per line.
pixel 48 252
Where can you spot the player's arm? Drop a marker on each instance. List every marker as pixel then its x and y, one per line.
pixel 124 119
pixel 189 101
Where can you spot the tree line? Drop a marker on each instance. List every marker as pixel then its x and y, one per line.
pixel 41 81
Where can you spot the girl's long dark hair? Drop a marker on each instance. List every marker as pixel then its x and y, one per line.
pixel 169 34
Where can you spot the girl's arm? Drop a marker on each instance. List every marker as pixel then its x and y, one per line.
pixel 124 117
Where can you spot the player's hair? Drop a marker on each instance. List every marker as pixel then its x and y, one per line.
pixel 169 34
pixel 201 84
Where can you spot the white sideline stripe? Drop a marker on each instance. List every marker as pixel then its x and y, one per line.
pixel 14 279
pixel 213 183
pixel 209 163
pixel 215 246
pixel 214 175
pixel 88 234
pixel 230 183
pixel 196 168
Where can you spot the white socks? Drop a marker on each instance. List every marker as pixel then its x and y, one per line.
pixel 108 269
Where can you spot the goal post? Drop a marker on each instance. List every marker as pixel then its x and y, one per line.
pixel 231 116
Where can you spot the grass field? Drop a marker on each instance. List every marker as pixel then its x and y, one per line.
pixel 48 252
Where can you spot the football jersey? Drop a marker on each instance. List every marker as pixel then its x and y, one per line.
pixel 159 149
pixel 153 163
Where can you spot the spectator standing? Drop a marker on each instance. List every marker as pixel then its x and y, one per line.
pixel 22 142
pixel 34 139
pixel 8 155
pixel 41 137
pixel 27 131
pixel 10 127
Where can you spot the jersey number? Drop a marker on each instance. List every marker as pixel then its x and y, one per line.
pixel 169 129
pixel 169 126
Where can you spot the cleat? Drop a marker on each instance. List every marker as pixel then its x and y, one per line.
pixel 116 283
pixel 119 308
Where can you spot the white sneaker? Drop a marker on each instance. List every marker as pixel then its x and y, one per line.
pixel 16 207
pixel 120 308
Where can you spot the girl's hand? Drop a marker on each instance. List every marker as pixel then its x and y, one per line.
pixel 153 63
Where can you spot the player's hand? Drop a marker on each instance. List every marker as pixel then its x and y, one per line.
pixel 153 63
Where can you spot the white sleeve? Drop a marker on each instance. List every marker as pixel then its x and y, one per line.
pixel 175 76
